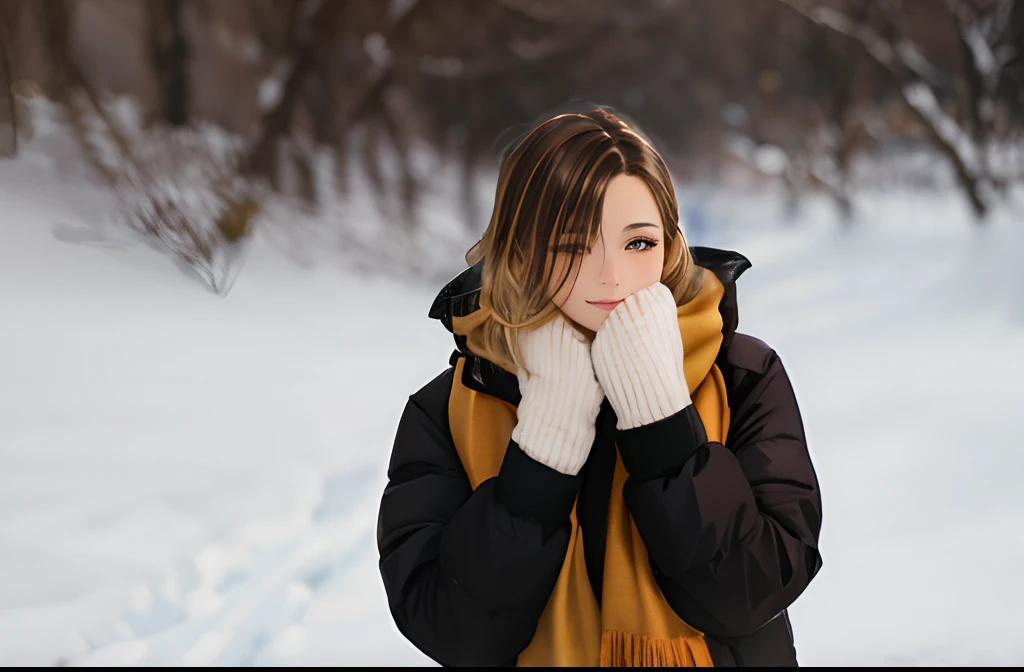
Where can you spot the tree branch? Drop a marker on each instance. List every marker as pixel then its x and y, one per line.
pixel 543 14
pixel 277 122
pixel 911 71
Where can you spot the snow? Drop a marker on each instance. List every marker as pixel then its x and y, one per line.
pixel 271 89
pixel 154 435
pixel 187 479
pixel 904 343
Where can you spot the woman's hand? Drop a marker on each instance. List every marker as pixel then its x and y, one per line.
pixel 561 396
pixel 638 358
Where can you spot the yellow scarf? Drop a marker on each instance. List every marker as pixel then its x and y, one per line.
pixel 634 625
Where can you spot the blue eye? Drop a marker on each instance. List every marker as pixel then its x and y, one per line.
pixel 641 244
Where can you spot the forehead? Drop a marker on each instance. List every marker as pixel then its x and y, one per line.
pixel 628 200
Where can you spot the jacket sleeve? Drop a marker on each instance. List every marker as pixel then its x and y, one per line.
pixel 467 573
pixel 731 533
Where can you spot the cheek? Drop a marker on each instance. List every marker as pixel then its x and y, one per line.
pixel 572 297
pixel 645 269
pixel 560 295
pixel 655 264
pixel 587 287
pixel 585 279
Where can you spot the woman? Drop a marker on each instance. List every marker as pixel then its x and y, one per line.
pixel 607 474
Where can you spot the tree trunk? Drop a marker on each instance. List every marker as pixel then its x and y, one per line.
pixel 8 116
pixel 171 59
pixel 58 39
pixel 276 123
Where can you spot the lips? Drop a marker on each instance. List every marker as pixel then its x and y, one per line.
pixel 605 304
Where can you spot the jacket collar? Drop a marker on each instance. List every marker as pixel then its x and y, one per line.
pixel 461 296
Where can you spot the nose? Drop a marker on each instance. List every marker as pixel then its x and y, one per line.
pixel 609 271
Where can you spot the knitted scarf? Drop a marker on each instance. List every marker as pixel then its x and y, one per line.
pixel 634 624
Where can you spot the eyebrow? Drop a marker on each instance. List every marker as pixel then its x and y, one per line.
pixel 638 225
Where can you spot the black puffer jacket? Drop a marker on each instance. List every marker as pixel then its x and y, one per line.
pixel 731 530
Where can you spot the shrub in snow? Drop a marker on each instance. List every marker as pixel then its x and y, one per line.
pixel 180 186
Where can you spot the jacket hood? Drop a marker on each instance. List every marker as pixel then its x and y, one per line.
pixel 461 296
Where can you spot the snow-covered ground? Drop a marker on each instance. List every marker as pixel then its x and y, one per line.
pixel 189 479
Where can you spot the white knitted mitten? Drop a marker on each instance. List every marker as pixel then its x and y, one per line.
pixel 561 398
pixel 638 358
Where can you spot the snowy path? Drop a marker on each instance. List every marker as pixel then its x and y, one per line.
pixel 245 610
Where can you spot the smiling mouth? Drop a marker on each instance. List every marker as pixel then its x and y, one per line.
pixel 605 304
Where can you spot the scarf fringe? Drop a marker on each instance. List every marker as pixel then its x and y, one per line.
pixel 626 649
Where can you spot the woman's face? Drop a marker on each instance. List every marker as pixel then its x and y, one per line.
pixel 627 257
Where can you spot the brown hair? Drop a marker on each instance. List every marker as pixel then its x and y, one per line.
pixel 551 184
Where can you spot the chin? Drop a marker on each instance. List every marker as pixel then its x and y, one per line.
pixel 593 322
pixel 585 317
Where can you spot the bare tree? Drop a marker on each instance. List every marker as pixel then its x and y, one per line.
pixel 986 44
pixel 297 58
pixel 912 71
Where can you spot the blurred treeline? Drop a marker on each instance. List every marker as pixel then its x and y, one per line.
pixel 793 90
